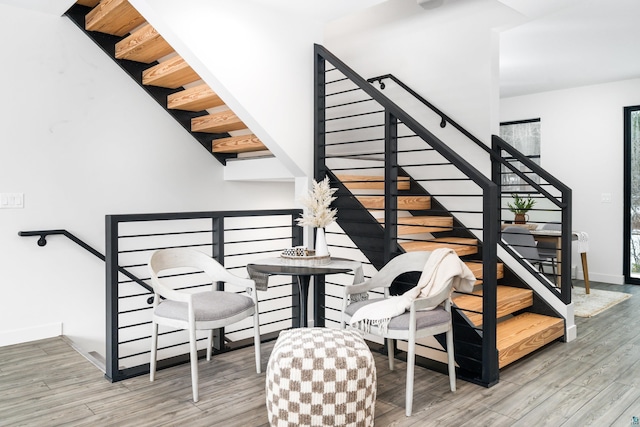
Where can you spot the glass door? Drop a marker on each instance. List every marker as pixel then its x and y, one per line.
pixel 632 194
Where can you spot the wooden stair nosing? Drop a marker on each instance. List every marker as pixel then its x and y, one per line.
pixel 476 268
pixel 422 224
pixel 509 300
pixel 461 245
pixel 196 98
pixel 115 17
pixel 371 182
pixel 238 144
pixel 88 3
pixel 221 122
pixel 143 45
pixel 404 202
pixel 525 333
pixel 172 74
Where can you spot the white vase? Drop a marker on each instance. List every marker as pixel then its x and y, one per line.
pixel 321 243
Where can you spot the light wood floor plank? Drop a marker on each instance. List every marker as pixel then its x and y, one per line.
pixel 594 380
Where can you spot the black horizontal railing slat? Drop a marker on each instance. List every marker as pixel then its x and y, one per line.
pixel 130 346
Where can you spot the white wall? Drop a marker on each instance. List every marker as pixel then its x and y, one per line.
pixel 257 58
pixel 582 145
pixel 447 54
pixel 81 140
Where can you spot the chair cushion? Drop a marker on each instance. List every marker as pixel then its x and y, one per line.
pixel 207 306
pixel 424 318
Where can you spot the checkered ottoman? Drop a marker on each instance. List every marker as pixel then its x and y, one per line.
pixel 321 377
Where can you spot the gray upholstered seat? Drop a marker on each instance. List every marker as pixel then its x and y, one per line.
pixel 418 322
pixel 209 310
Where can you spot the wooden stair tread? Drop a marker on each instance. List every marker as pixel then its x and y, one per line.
pixel 143 45
pixel 510 299
pixel 522 334
pixel 238 144
pixel 476 269
pixel 423 224
pixel 196 98
pixel 461 245
pixel 172 73
pixel 223 121
pixel 404 202
pixel 371 182
pixel 88 3
pixel 115 17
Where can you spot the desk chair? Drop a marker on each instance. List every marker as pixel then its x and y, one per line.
pixel 522 241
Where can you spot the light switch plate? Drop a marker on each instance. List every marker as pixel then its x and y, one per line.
pixel 11 200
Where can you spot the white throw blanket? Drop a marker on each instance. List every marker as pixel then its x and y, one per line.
pixel 442 268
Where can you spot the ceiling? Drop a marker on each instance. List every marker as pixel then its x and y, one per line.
pixel 569 43
pixel 559 44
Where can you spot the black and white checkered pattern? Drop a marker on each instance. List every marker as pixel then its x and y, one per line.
pixel 321 377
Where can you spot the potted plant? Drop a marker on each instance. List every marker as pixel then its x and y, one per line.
pixel 520 206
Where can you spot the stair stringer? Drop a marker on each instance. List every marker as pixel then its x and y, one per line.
pixel 285 167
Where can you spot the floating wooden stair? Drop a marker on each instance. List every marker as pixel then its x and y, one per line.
pixel 172 73
pixel 224 121
pixel 196 98
pixel 524 334
pixel 423 224
pixel 238 144
pixel 416 203
pixel 510 300
pixel 368 182
pixel 476 269
pixel 142 43
pixel 115 17
pixel 461 245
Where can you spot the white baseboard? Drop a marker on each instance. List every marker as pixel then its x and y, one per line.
pixel 18 336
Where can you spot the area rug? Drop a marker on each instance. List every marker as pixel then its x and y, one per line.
pixel 595 302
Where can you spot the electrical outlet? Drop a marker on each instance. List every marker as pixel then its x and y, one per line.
pixel 605 198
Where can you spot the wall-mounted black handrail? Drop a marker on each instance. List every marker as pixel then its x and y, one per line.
pixel 444 118
pixel 42 241
pixel 497 159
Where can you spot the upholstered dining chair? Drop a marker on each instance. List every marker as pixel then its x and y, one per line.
pixel 413 324
pixel 523 242
pixel 198 310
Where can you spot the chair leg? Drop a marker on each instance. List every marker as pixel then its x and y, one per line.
pixel 390 353
pixel 209 345
pixel 411 360
pixel 154 351
pixel 451 359
pixel 194 362
pixel 256 341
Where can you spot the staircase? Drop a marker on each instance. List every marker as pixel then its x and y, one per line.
pixel 519 332
pixel 134 44
pixel 401 189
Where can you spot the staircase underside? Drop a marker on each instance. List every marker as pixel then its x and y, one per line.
pixel 140 50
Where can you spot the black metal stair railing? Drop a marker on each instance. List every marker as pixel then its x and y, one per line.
pixel 234 238
pixel 515 173
pixel 361 133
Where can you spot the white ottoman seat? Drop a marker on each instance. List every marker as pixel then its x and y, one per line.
pixel 321 377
